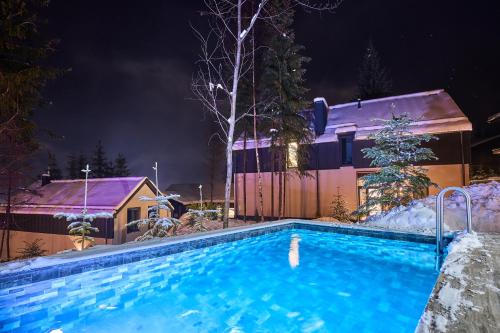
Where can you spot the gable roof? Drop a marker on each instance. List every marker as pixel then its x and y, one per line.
pixel 104 195
pixel 434 111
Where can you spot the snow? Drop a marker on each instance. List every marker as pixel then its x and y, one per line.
pixel 451 296
pixel 420 215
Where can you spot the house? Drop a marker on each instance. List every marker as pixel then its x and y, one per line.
pixel 190 195
pixel 33 213
pixel 336 162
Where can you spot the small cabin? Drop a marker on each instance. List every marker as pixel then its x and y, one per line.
pixel 33 212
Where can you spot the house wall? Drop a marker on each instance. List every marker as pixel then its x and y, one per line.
pixel 51 243
pixel 121 235
pixel 301 198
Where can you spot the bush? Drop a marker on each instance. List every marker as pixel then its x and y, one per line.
pixel 339 210
pixel 32 249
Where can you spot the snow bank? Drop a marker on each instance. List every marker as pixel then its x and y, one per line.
pixel 420 215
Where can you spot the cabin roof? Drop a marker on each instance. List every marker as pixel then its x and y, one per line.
pixel 104 195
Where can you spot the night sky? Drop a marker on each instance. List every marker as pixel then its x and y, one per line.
pixel 132 63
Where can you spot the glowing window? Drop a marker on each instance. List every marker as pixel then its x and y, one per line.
pixel 293 155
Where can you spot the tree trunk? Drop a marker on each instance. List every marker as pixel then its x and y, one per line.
pixel 8 219
pixel 255 138
pixel 284 185
pixel 245 174
pixel 280 183
pixel 272 183
pixel 232 121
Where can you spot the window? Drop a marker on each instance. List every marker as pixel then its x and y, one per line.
pixel 346 148
pixel 365 193
pixel 133 214
pixel 152 211
pixel 293 155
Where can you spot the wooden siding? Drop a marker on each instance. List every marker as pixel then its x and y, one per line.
pixel 47 224
pixel 326 156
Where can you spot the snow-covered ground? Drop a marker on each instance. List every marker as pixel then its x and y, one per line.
pixel 420 215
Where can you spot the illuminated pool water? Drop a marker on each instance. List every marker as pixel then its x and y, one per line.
pixel 287 281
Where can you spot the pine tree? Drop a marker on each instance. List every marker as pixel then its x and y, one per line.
pixel 121 166
pixel 100 163
pixel 373 79
pixel 282 90
pixel 55 171
pixel 81 163
pixel 396 151
pixel 339 209
pixel 72 167
pixel 23 75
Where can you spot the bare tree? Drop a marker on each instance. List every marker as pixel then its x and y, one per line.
pixel 224 60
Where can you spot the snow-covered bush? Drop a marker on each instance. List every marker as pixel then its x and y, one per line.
pixel 420 215
pixel 156 225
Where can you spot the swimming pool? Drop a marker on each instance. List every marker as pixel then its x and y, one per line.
pixel 294 280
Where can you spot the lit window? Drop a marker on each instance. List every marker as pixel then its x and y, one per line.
pixel 293 156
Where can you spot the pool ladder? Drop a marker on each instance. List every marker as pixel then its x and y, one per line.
pixel 440 219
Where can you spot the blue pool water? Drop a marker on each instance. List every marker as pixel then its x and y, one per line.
pixel 287 281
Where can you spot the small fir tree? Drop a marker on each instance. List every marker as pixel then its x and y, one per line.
pixel 373 79
pixel 339 209
pixel 53 166
pixel 81 224
pixel 396 152
pixel 32 249
pixel 157 226
pixel 72 167
pixel 121 166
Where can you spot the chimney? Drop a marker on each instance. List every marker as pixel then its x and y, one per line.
pixel 320 115
pixel 359 103
pixel 46 177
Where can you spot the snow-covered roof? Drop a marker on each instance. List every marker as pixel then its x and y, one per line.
pixel 423 106
pixel 435 112
pixel 104 195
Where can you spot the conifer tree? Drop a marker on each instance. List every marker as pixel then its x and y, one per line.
pixel 81 163
pixel 72 167
pixel 23 75
pixel 121 166
pixel 373 79
pixel 283 91
pixel 100 163
pixel 53 166
pixel 396 152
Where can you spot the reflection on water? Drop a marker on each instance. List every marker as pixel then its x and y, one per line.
pixel 293 252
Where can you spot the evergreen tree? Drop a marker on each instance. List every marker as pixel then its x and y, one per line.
pixel 55 171
pixel 72 167
pixel 100 163
pixel 373 79
pixel 121 166
pixel 339 209
pixel 23 75
pixel 396 151
pixel 81 163
pixel 282 90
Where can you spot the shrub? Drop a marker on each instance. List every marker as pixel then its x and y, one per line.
pixel 32 249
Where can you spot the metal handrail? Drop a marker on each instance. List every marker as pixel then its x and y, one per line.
pixel 440 215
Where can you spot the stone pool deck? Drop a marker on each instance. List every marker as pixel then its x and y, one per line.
pixel 479 310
